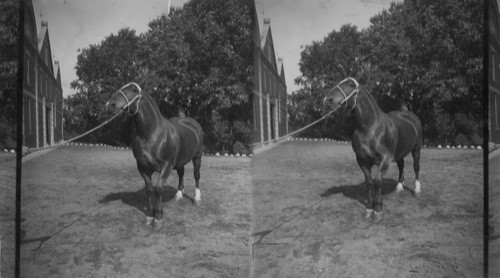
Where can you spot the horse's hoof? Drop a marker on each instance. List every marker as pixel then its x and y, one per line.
pixel 417 194
pixel 399 188
pixel 197 197
pixel 368 213
pixel 178 196
pixel 157 225
pixel 149 222
pixel 377 216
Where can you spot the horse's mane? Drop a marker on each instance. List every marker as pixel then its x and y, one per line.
pixel 145 94
pixel 371 97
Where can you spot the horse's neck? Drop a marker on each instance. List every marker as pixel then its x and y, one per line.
pixel 149 118
pixel 367 112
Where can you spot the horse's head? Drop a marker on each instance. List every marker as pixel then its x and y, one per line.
pixel 341 93
pixel 129 95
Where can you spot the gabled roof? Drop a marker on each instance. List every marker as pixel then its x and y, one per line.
pixel 256 32
pixel 42 34
pixel 267 44
pixel 57 73
pixel 281 69
pixel 266 30
pixel 30 21
pixel 44 41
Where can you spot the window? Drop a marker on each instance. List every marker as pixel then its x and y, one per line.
pixel 27 68
pixel 496 99
pixel 279 109
pixel 29 114
pixel 493 64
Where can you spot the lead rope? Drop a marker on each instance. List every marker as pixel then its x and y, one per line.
pixel 127 106
pixel 355 91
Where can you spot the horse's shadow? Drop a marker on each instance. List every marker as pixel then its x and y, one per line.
pixel 359 192
pixel 139 198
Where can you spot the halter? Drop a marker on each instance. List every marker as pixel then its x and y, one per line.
pixel 138 96
pixel 355 91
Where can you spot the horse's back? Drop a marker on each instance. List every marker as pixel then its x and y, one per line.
pixel 190 132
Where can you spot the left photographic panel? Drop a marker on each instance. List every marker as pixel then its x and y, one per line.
pixel 138 126
pixel 9 34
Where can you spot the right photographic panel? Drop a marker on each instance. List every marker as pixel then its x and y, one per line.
pixel 368 139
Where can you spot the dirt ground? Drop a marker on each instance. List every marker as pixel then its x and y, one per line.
pixel 494 214
pixel 308 215
pixel 7 212
pixel 82 210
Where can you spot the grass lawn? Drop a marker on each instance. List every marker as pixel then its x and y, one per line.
pixel 308 215
pixel 83 207
pixel 7 212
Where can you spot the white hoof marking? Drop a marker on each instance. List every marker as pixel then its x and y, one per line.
pixel 197 195
pixel 178 195
pixel 149 221
pixel 399 187
pixel 417 187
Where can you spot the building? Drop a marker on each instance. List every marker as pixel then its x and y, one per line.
pixel 270 96
pixel 42 91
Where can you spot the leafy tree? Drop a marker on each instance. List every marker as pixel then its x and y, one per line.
pixel 425 55
pixel 101 70
pixel 197 60
pixel 9 22
pixel 202 60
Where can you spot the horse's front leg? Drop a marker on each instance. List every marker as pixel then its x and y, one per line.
pixel 146 175
pixel 158 192
pixel 366 168
pixel 383 167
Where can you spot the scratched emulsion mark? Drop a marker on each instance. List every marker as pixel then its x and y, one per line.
pixel 196 131
pixel 407 118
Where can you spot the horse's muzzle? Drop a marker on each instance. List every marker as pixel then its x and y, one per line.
pixel 328 101
pixel 110 106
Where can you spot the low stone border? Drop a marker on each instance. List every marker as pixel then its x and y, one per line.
pixel 37 153
pixel 478 147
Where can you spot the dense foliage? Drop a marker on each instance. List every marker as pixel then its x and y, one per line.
pixel 423 54
pixel 195 60
pixel 9 20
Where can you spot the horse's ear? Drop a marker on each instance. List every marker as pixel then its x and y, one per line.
pixel 142 83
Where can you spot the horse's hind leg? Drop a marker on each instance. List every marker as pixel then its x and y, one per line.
pixel 197 166
pixel 416 167
pixel 180 188
pixel 401 179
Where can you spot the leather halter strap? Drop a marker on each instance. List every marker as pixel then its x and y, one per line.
pixel 138 96
pixel 355 91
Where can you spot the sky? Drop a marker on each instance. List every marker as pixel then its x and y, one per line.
pixel 297 23
pixel 75 24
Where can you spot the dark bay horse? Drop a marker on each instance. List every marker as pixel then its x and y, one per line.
pixel 159 145
pixel 378 139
